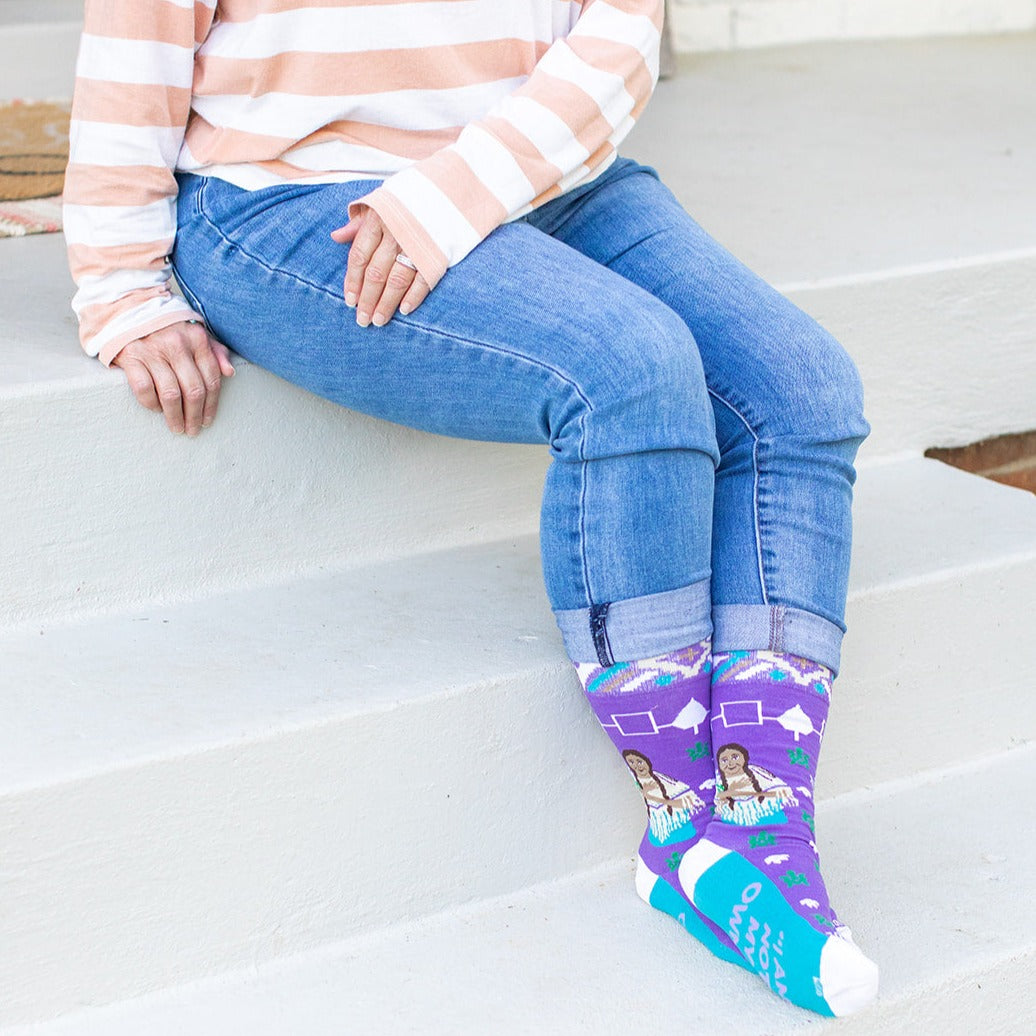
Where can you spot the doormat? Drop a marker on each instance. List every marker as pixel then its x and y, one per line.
pixel 33 148
pixel 33 156
pixel 1010 459
pixel 36 216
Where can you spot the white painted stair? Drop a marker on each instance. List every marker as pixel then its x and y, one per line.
pixel 288 740
pixel 583 955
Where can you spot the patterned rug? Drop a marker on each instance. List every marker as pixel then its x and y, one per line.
pixel 37 216
pixel 33 155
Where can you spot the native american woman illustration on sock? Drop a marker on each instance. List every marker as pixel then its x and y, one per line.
pixel 671 804
pixel 747 794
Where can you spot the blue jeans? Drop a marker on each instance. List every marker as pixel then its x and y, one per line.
pixel 702 429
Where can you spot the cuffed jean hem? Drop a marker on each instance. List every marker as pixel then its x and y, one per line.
pixel 764 627
pixel 639 627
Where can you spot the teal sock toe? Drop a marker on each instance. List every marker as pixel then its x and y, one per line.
pixel 817 971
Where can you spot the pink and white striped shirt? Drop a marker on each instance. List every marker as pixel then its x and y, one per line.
pixel 474 112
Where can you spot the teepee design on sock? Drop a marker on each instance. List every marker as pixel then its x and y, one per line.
pixel 755 871
pixel 656 713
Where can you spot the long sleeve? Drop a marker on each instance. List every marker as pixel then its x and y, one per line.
pixel 129 112
pixel 551 133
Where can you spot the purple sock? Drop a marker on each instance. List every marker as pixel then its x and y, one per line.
pixel 656 713
pixel 756 872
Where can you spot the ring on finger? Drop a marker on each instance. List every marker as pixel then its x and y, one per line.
pixel 405 260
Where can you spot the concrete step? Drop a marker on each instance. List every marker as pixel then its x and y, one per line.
pixel 933 874
pixel 190 789
pixel 707 25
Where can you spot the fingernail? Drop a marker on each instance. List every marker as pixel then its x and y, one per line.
pixel 207 422
pixel 404 308
pixel 363 319
pixel 350 299
pixel 379 320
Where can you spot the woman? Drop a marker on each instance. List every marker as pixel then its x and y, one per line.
pixel 744 788
pixel 417 210
pixel 670 804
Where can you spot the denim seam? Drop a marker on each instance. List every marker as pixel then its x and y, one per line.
pixel 777 628
pixel 755 489
pixel 583 558
pixel 261 262
pixel 560 375
pixel 184 286
pixel 581 453
pixel 188 293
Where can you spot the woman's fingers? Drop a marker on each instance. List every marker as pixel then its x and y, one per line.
pixel 222 354
pixel 178 370
pixel 375 283
pixel 140 382
pixel 415 295
pixel 397 285
pixel 167 385
pixel 375 278
pixel 197 375
pixel 362 250
pixel 343 235
pixel 193 393
pixel 212 378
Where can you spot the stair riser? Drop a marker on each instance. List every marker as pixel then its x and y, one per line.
pixel 449 973
pixel 103 508
pixel 933 674
pixel 947 357
pixel 285 483
pixel 284 839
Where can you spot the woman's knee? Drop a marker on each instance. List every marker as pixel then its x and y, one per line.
pixel 640 386
pixel 827 401
pixel 809 390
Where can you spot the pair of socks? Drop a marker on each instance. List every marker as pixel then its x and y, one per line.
pixel 724 750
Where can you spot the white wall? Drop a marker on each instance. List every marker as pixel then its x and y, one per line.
pixel 702 25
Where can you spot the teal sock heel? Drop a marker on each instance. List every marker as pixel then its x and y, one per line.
pixel 657 892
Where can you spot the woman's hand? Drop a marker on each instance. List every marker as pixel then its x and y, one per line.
pixel 375 283
pixel 177 370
